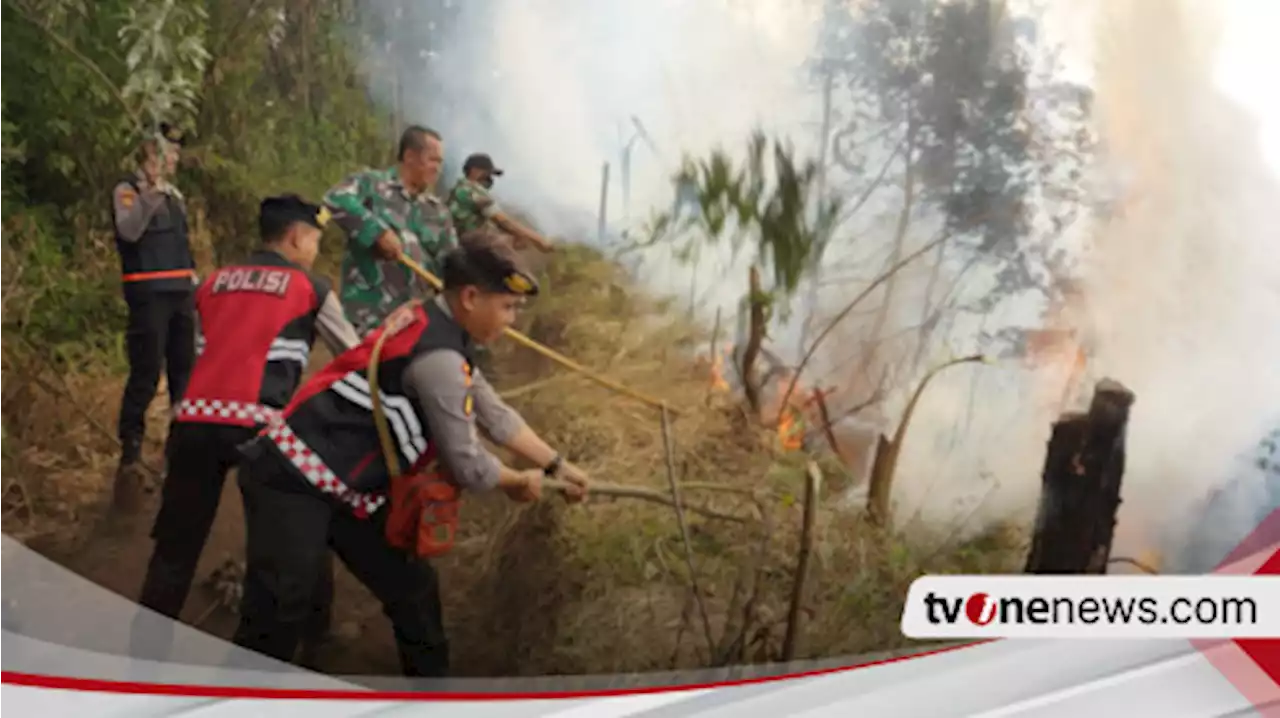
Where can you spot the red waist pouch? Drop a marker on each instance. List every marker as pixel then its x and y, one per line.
pixel 423 513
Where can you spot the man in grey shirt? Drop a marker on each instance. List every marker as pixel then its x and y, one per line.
pixel 441 390
pixel 319 477
pixel 157 274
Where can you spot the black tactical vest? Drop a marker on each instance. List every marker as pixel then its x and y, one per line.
pixel 160 261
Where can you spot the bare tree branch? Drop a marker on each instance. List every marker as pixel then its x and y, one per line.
pixel 817 342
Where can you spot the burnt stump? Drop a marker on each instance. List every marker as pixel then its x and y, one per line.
pixel 1080 486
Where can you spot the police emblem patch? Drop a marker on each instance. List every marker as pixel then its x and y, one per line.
pixel 517 283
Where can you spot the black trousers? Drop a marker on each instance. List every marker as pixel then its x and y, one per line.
pixel 160 334
pixel 291 526
pixel 200 455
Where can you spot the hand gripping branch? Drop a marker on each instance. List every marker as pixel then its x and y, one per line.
pixel 595 488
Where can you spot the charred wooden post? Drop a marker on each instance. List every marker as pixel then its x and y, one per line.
pixel 885 463
pixel 1080 492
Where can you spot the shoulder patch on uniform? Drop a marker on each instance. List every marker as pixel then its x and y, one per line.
pixel 127 197
pixel 466 372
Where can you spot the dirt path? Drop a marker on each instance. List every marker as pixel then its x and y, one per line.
pixel 114 554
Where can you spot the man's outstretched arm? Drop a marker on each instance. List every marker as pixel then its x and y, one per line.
pixel 488 207
pixel 506 427
pixel 437 383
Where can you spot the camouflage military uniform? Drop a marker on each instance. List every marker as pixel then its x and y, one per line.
pixel 470 205
pixel 366 204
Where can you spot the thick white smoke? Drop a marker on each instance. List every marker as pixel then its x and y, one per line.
pixel 1182 283
pixel 560 81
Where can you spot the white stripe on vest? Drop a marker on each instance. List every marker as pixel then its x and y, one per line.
pixel 289 350
pixel 404 422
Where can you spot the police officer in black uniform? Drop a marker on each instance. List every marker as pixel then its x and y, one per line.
pixel 319 478
pixel 158 278
pixel 259 320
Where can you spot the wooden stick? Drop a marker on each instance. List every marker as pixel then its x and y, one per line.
pixel 813 482
pixel 684 532
pixel 883 468
pixel 546 351
pixel 643 494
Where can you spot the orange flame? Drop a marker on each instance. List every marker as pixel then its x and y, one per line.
pixel 789 434
pixel 793 418
pixel 1058 349
pixel 717 373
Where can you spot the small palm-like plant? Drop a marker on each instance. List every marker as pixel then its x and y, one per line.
pixel 766 201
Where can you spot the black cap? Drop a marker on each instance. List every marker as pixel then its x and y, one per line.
pixel 172 133
pixel 275 214
pixel 481 161
pixel 169 132
pixel 488 261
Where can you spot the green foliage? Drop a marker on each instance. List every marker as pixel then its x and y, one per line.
pixel 61 305
pixel 279 115
pixel 165 58
pixel 768 199
pixel 270 95
pixel 68 113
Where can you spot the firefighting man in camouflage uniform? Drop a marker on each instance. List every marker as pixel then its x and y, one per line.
pixel 473 208
pixel 384 212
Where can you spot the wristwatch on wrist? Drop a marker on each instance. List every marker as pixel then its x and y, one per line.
pixel 550 469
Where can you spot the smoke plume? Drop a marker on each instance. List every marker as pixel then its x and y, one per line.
pixel 1184 282
pixel 1180 278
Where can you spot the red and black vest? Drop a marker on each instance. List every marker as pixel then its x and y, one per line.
pixel 160 261
pixel 257 326
pixel 327 433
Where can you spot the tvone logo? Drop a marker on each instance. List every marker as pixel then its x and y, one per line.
pixel 980 609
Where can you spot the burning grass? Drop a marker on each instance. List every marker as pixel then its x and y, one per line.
pixel 606 587
pixel 551 589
